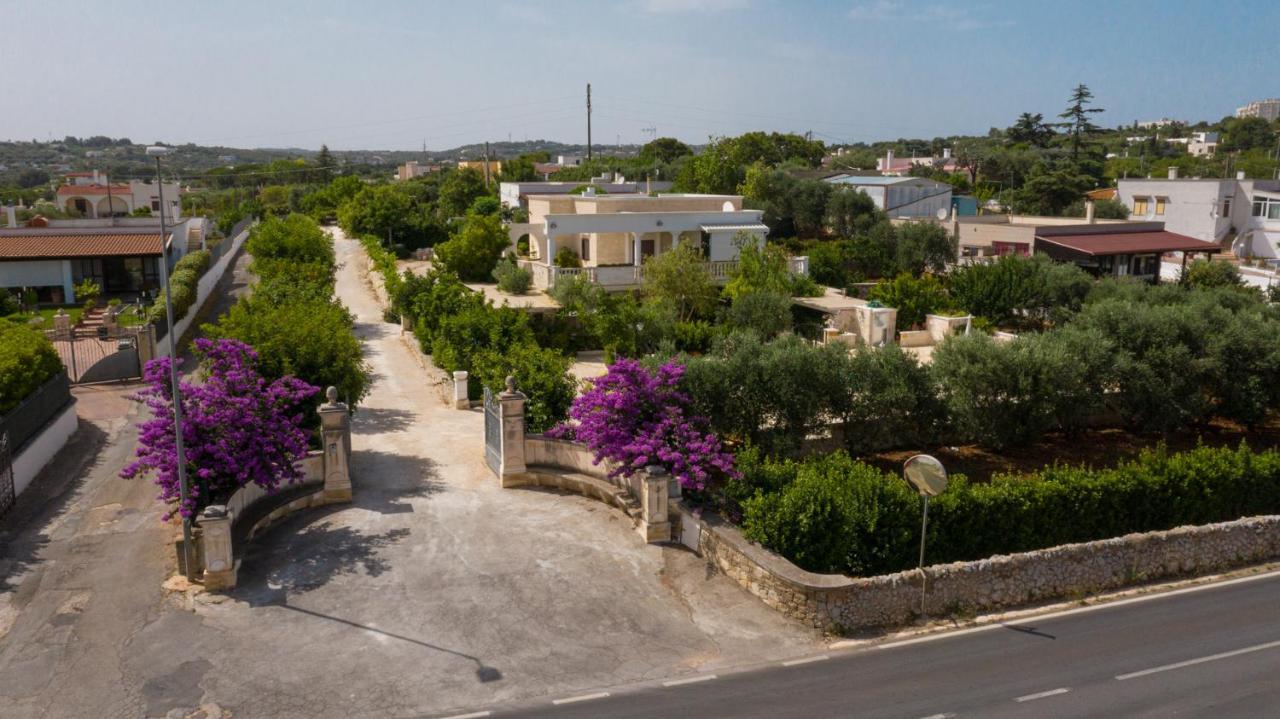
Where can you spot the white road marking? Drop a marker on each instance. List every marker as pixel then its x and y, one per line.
pixel 690 680
pixel 1201 660
pixel 472 715
pixel 806 660
pixel 939 716
pixel 1042 695
pixel 858 643
pixel 583 698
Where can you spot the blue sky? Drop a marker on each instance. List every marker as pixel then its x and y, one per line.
pixel 389 75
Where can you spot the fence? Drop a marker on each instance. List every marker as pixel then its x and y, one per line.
pixel 30 416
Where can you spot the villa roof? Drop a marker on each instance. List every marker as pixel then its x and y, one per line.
pixel 92 189
pixel 1129 243
pixel 734 227
pixel 61 246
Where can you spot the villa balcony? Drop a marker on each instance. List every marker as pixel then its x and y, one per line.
pixel 625 277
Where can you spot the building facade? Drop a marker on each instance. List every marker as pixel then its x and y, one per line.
pixel 92 195
pixel 901 197
pixel 1268 109
pixel 1240 214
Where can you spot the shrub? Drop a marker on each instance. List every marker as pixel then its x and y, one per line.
pixel 477 328
pixel 473 251
pixel 1206 274
pixel 295 237
pixel 635 417
pixel 768 314
pixel 693 336
pixel 1014 287
pixel 384 263
pixel 840 515
pixel 913 297
pixel 27 360
pixel 9 303
pixel 921 247
pixel 888 399
pixel 680 280
pixel 541 374
pixel 512 278
pixel 430 298
pixel 566 257
pixel 311 340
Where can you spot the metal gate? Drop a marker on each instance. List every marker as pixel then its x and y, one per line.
pixel 7 494
pixel 98 354
pixel 492 431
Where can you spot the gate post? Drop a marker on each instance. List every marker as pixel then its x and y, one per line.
pixel 511 453
pixel 220 565
pixel 146 339
pixel 655 490
pixel 334 422
pixel 460 397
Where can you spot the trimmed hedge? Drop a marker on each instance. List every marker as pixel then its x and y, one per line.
pixel 837 515
pixel 183 283
pixel 27 360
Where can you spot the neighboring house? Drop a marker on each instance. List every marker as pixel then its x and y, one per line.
pixel 1240 214
pixel 889 165
pixel 1122 249
pixel 495 166
pixel 1268 109
pixel 123 260
pixel 515 194
pixel 413 168
pixel 92 195
pixel 613 234
pixel 1203 144
pixel 901 197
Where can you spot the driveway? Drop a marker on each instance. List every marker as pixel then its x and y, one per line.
pixel 435 592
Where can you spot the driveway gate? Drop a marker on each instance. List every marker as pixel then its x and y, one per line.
pixel 492 431
pixel 98 354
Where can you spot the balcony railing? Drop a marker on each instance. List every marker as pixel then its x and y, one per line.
pixel 547 276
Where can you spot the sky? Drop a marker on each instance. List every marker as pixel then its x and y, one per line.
pixel 394 75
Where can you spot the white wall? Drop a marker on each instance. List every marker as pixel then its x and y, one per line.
pixel 204 288
pixel 1190 204
pixel 43 447
pixel 31 273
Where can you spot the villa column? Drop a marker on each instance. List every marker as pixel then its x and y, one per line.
pixel 635 248
pixel 548 258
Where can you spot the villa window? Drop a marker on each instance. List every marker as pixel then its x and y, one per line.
pixel 1160 202
pixel 155 205
pixel 1268 207
pixel 586 248
pixel 1226 207
pixel 1140 205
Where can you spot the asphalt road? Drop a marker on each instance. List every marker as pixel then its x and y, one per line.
pixel 1213 651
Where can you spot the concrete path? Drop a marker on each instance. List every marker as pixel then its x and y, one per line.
pixel 439 590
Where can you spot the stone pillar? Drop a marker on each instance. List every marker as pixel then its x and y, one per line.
pixel 146 339
pixel 406 324
pixel 220 565
pixel 655 490
pixel 512 468
pixel 460 399
pixel 62 323
pixel 335 421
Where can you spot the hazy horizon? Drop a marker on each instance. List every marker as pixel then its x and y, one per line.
pixel 396 75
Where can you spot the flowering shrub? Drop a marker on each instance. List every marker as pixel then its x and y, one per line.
pixel 237 428
pixel 635 418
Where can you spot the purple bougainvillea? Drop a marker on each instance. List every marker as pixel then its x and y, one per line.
pixel 237 428
pixel 634 418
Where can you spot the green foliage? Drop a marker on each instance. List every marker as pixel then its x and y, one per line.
pixel 475 249
pixel 9 303
pixel 477 328
pixel 183 282
pixel 395 214
pixel 838 515
pixel 840 263
pixel 512 278
pixel 566 257
pixel 1014 288
pixel 764 269
pixel 923 247
pixel 384 262
pixel 679 279
pixel 766 313
pixel 430 298
pixel 141 212
pixel 913 297
pixel 851 212
pixel 1207 274
pixel 485 205
pixel 458 191
pixel 87 292
pixel 888 399
pixel 664 150
pixel 541 374
pixel 27 360
pixel 297 238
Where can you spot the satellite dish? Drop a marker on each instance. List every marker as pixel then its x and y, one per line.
pixel 942 213
pixel 926 474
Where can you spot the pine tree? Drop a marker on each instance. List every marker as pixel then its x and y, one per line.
pixel 324 161
pixel 1077 118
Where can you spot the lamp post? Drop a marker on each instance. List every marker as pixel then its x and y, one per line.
pixel 184 489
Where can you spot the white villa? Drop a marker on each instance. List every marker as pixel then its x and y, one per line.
pixel 91 195
pixel 612 234
pixel 1240 214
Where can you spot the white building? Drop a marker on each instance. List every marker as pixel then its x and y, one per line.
pixel 91 195
pixel 901 197
pixel 1238 213
pixel 516 194
pixel 1268 109
pixel 1203 144
pixel 611 235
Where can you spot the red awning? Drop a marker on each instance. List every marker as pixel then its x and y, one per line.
pixel 1130 243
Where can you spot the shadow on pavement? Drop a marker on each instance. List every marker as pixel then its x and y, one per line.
pixel 380 420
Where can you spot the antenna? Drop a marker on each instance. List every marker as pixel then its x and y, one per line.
pixel 588 122
pixel 651 131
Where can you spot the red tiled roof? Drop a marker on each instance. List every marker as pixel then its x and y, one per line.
pixel 1129 243
pixel 92 189
pixel 85 244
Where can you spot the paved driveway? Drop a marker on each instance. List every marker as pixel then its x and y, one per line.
pixel 439 591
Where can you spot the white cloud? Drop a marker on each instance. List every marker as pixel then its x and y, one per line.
pixel 670 7
pixel 956 18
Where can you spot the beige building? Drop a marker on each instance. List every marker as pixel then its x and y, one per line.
pixel 611 235
pixel 413 168
pixel 1268 109
pixel 495 166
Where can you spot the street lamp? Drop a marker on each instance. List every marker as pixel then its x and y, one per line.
pixel 184 490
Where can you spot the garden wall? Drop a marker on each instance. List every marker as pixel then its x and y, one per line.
pixel 830 601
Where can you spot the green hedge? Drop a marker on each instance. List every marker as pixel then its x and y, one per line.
pixel 27 360
pixel 183 283
pixel 384 261
pixel 837 515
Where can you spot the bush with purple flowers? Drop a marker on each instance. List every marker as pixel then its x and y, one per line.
pixel 634 417
pixel 237 428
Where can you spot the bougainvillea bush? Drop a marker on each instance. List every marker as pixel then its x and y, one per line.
pixel 634 417
pixel 237 428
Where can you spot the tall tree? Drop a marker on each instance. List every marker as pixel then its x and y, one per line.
pixel 1031 129
pixel 325 164
pixel 1076 117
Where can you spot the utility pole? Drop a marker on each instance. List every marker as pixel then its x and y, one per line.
pixel 486 163
pixel 588 122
